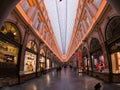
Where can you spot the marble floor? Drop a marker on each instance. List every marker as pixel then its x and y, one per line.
pixel 65 80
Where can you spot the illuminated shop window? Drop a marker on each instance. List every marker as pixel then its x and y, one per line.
pixel 29 63
pixel 41 62
pixel 48 64
pixel 31 45
pixel 98 61
pixel 42 52
pixel 115 57
pixel 30 58
pixel 10 31
pixel 8 52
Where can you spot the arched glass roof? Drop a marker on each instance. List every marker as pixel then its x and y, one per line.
pixel 62 15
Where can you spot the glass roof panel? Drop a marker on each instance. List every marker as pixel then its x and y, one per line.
pixel 62 15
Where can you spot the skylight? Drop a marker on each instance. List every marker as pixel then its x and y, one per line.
pixel 62 15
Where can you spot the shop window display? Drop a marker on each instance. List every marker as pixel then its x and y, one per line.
pixel 41 64
pixel 115 57
pixel 29 63
pixel 30 58
pixel 9 49
pixel 98 63
pixel 10 31
pixel 32 46
pixel 8 52
pixel 86 62
pixel 97 56
pixel 48 64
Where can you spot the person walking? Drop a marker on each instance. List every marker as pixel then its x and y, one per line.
pixel 97 86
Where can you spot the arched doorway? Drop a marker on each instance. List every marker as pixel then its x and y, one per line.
pixel 112 35
pixel 10 43
pixel 96 53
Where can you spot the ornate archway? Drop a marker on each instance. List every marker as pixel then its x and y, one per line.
pixel 112 35
pixel 97 57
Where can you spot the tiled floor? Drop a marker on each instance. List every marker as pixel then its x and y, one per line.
pixel 66 80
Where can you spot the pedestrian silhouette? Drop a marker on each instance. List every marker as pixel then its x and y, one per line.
pixel 97 86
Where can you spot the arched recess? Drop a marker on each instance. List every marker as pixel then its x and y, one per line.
pixel 41 61
pixel 113 28
pixel 86 63
pixel 30 57
pixel 10 39
pixel 11 31
pixel 96 53
pixel 112 35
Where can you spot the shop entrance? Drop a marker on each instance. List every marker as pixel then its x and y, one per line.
pixel 9 51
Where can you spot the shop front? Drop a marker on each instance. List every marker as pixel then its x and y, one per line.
pixel 41 63
pixel 113 47
pixel 99 68
pixel 53 65
pixel 48 67
pixel 86 62
pixel 9 53
pixel 30 61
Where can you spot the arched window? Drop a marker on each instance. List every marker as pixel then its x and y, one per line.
pixel 86 62
pixel 113 28
pixel 41 62
pixel 112 35
pixel 97 56
pixel 10 31
pixel 32 45
pixel 95 45
pixel 30 58
pixel 42 52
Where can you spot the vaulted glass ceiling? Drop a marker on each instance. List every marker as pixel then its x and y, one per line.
pixel 62 15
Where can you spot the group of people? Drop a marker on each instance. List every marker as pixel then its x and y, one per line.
pixel 58 69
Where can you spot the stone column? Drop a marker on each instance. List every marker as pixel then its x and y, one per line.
pixel 27 33
pixel 6 6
